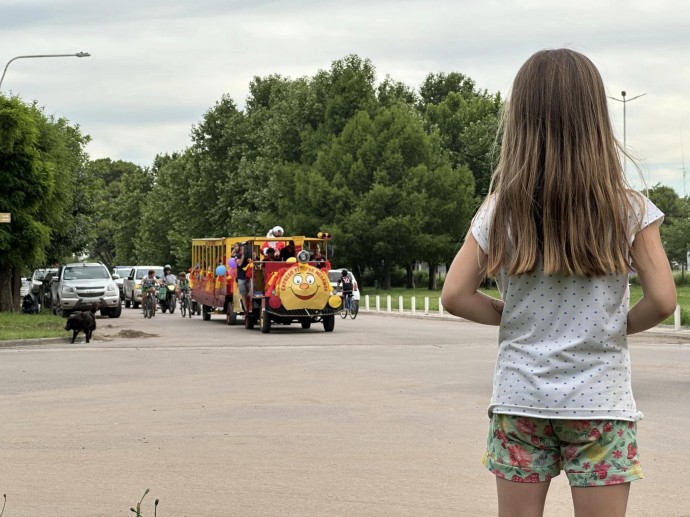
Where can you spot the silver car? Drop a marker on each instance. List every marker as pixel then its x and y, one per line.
pixel 83 285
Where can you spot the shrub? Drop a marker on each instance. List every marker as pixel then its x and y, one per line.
pixel 421 278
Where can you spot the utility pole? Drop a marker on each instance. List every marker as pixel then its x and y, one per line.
pixel 625 142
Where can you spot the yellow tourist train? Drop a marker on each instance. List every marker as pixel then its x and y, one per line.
pixel 290 287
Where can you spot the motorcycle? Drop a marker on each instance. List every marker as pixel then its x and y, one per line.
pixel 167 299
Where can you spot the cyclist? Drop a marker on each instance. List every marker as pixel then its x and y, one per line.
pixel 148 288
pixel 182 283
pixel 345 285
pixel 182 286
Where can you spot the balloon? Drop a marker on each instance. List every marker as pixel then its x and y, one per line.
pixel 232 263
pixel 220 271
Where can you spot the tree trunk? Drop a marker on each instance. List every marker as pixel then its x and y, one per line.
pixel 6 294
pixel 433 270
pixel 17 288
pixel 410 276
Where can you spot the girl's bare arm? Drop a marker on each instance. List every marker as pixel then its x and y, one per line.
pixel 460 295
pixel 658 288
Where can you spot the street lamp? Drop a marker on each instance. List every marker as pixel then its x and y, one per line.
pixel 78 54
pixel 625 144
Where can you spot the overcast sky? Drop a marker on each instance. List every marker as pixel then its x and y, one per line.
pixel 157 65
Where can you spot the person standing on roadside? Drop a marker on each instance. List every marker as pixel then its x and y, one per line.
pixel 560 231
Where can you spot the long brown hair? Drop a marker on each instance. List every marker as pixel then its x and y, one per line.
pixel 559 189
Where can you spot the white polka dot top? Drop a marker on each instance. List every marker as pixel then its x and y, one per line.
pixel 563 350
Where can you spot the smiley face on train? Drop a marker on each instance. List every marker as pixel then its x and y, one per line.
pixel 304 287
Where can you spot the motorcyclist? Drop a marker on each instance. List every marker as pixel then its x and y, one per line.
pixel 168 279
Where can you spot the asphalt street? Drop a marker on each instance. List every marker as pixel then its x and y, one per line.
pixel 385 416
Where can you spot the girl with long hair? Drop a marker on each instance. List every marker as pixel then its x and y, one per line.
pixel 561 230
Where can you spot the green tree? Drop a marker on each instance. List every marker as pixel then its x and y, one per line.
pixel 137 187
pixel 67 208
pixel 668 201
pixel 108 215
pixel 40 163
pixel 675 235
pixel 466 119
pixel 24 180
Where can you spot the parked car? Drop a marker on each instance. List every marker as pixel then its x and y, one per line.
pixel 45 296
pixel 37 279
pixel 132 284
pixel 80 285
pixel 119 274
pixel 25 287
pixel 335 274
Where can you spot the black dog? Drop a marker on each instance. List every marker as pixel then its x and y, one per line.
pixel 81 321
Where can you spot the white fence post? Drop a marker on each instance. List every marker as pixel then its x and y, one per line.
pixel 400 303
pixel 388 303
pixel 426 305
pixel 676 318
pixel 412 308
pixel 440 307
pixel 378 303
pixel 366 302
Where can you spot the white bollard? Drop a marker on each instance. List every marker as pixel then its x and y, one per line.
pixel 400 303
pixel 366 302
pixel 412 308
pixel 378 303
pixel 676 318
pixel 388 303
pixel 426 305
pixel 440 307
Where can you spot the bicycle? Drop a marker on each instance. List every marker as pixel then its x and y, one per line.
pixel 350 306
pixel 149 307
pixel 185 304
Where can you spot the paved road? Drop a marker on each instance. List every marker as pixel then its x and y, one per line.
pixel 383 417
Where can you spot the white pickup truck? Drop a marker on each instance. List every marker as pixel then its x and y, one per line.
pixel 80 285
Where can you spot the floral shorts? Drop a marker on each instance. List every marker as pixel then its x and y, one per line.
pixel 591 452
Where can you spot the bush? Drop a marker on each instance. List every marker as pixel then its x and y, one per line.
pixel 421 278
pixel 679 278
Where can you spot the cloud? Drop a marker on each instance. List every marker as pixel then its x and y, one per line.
pixel 157 66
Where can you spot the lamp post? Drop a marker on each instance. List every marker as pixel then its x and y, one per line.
pixel 78 54
pixel 625 144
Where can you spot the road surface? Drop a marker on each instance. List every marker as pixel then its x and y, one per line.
pixel 385 416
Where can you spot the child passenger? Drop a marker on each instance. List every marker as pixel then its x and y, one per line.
pixel 561 230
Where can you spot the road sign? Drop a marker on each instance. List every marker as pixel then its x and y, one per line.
pixel 5 217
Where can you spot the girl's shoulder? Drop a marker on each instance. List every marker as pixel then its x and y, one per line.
pixel 642 211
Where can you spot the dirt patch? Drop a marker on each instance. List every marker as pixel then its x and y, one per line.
pixel 128 333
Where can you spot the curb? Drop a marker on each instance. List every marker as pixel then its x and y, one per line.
pixel 38 341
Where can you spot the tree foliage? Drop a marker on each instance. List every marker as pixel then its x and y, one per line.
pixel 394 172
pixel 46 189
pixel 390 171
